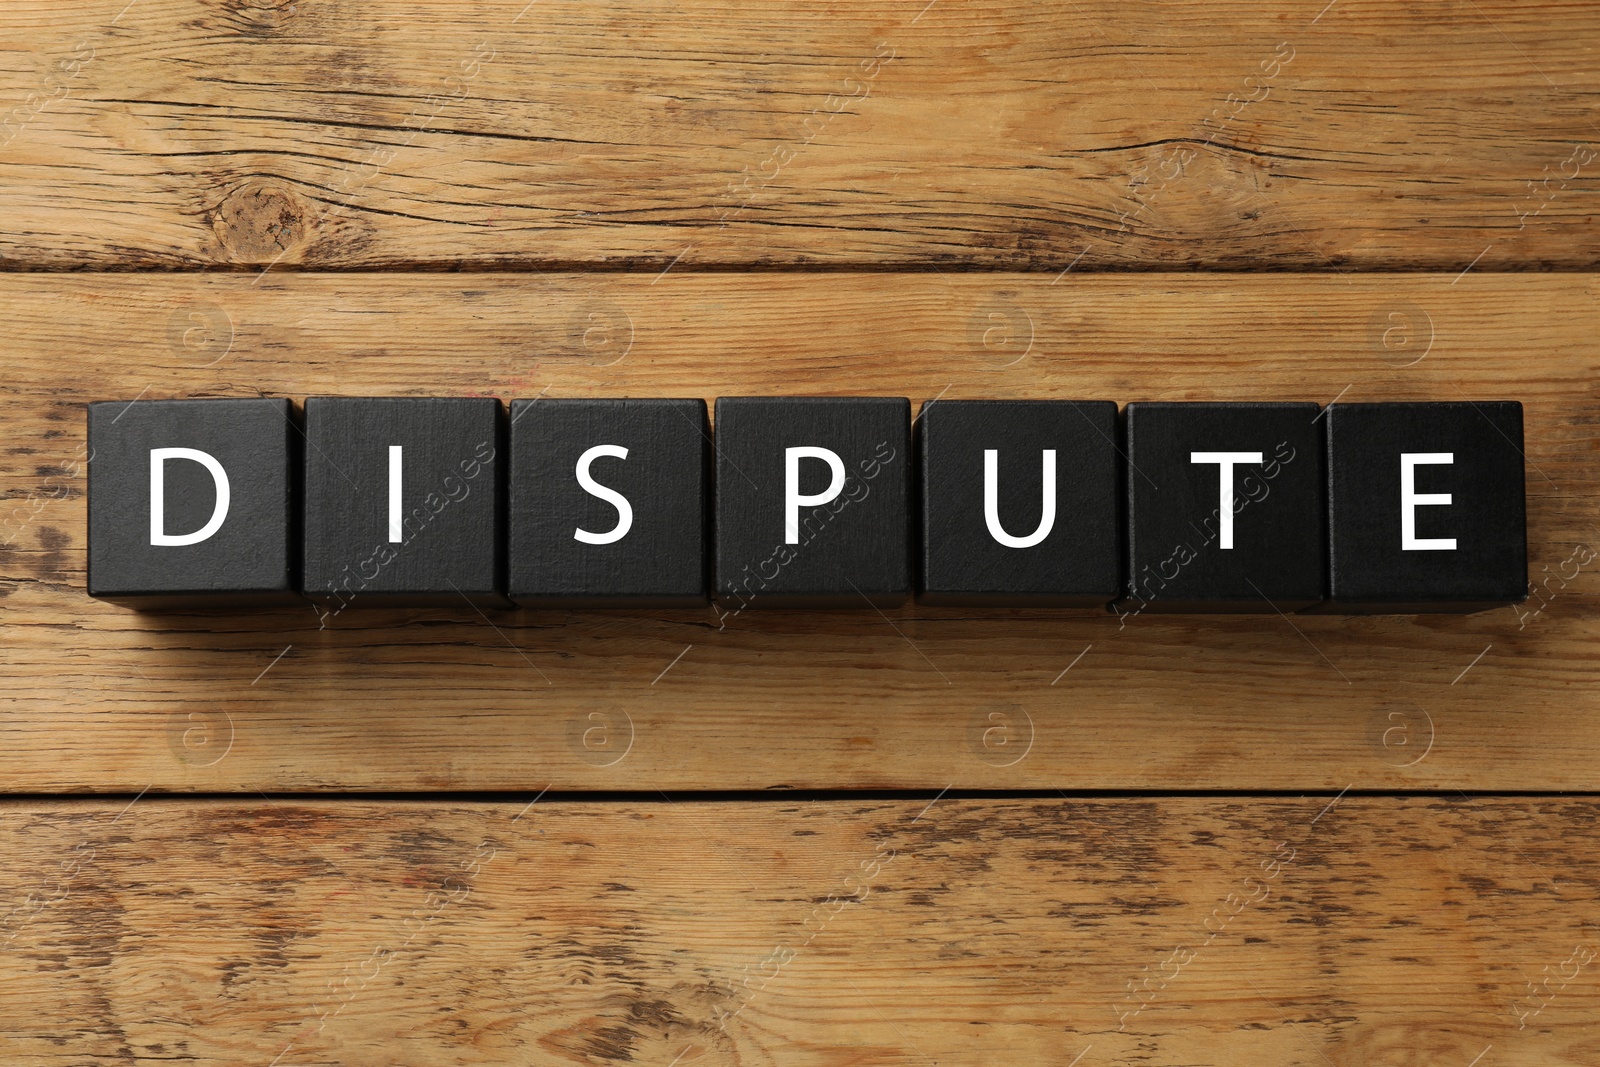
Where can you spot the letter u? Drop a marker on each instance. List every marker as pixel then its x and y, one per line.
pixel 991 500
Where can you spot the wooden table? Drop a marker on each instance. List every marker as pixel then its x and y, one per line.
pixel 782 837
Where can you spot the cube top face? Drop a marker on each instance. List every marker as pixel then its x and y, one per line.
pixel 812 501
pixel 569 545
pixel 225 500
pixel 402 500
pixel 1468 452
pixel 1067 555
pixel 1226 507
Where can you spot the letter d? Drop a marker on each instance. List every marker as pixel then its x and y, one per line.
pixel 158 503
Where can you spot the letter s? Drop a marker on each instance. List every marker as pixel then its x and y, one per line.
pixel 610 496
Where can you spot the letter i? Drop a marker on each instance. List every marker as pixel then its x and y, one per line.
pixel 395 532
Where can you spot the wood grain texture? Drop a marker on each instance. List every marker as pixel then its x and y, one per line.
pixel 1293 134
pixel 1258 933
pixel 101 698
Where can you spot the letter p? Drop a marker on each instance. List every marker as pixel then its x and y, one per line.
pixel 793 499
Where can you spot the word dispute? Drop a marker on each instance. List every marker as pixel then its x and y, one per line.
pixel 1353 508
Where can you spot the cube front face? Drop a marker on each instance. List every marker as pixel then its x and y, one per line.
pixel 637 535
pixel 1226 508
pixel 402 501
pixel 988 537
pixel 1426 507
pixel 191 501
pixel 812 501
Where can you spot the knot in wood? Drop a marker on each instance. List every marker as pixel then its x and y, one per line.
pixel 261 222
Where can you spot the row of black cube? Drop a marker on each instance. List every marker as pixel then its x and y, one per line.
pixel 811 502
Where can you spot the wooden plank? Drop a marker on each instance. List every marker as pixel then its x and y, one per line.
pixel 98 697
pixel 1002 133
pixel 1260 932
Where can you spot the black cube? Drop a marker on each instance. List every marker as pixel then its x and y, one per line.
pixel 1020 503
pixel 812 501
pixel 403 501
pixel 192 502
pixel 1225 507
pixel 1426 507
pixel 608 503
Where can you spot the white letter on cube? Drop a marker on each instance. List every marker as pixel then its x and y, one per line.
pixel 1410 499
pixel 158 496
pixel 793 501
pixel 1225 460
